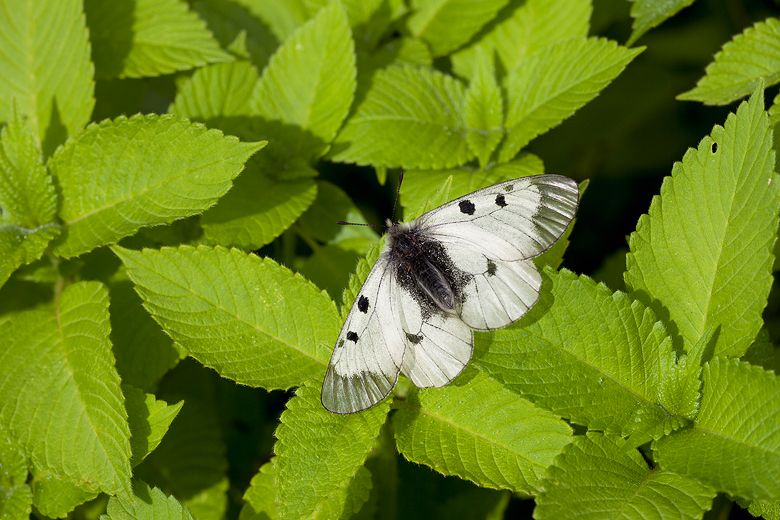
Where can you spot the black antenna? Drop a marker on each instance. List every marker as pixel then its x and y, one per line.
pixel 397 194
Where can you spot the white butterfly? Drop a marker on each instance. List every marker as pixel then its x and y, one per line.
pixel 465 265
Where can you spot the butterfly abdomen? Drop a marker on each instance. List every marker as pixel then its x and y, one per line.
pixel 423 268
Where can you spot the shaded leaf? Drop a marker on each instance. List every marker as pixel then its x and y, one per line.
pixel 257 210
pixel 144 353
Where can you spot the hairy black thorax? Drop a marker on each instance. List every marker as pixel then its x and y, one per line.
pixel 424 269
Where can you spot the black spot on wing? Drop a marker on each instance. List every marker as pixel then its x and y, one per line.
pixel 467 207
pixel 363 304
pixel 491 267
pixel 414 338
pixel 351 336
pixel 500 201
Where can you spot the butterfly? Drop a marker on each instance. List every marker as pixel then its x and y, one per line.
pixel 466 265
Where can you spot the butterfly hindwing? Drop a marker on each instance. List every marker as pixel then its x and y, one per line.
pixel 369 351
pixel 439 345
pixel 513 220
pixel 494 293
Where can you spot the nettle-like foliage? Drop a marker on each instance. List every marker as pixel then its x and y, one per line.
pixel 126 245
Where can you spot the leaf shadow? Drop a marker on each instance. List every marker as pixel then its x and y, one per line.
pixel 111 35
pixel 56 132
pixel 661 314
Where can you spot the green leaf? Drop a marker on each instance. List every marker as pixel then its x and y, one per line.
pixel 553 83
pixel 147 503
pixel 216 92
pixel 347 500
pixel 740 65
pixel 650 13
pixel 46 68
pixel 149 421
pixel 419 184
pixel 409 119
pixel 596 478
pixel 445 25
pixel 55 497
pixel 19 246
pixel 610 352
pixel 319 453
pixel 484 110
pixel 257 210
pixel 228 20
pixel 121 175
pixel 248 318
pixel 769 510
pixel 522 28
pixel 72 380
pixel 146 38
pixel 721 199
pixel 734 444
pixel 15 494
pixel 478 430
pixel 144 353
pixel 260 496
pixel 310 81
pixel 27 196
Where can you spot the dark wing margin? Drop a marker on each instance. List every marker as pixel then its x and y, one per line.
pixel 369 351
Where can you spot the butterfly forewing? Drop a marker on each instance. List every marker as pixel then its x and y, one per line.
pixel 513 220
pixel 364 366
